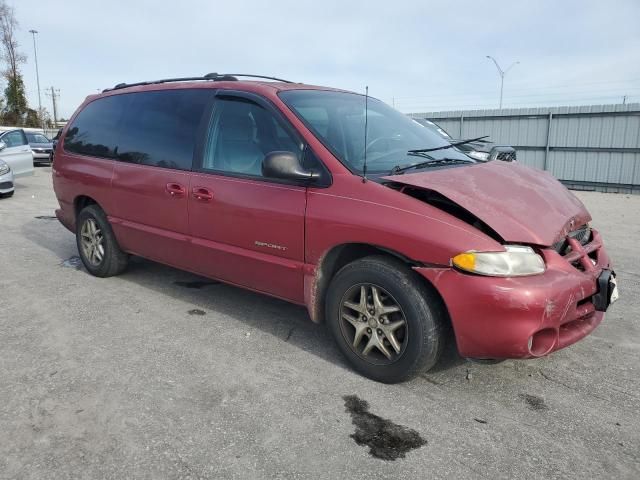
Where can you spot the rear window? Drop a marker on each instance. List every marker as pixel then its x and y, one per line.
pixel 160 128
pixel 149 128
pixel 37 138
pixel 94 131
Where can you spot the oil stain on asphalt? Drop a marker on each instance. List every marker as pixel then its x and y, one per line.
pixel 72 262
pixel 196 283
pixel 385 439
pixel 46 217
pixel 534 402
pixel 196 311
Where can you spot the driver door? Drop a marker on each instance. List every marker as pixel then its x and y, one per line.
pixel 247 229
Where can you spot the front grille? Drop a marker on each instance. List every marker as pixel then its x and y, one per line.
pixel 5 185
pixel 506 156
pixel 579 248
pixel 582 235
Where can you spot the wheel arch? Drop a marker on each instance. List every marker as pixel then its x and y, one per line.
pixel 340 255
pixel 81 202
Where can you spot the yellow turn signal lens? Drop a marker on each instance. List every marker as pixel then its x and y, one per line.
pixel 514 261
pixel 465 261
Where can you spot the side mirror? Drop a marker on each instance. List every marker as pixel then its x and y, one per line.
pixel 2 145
pixel 286 166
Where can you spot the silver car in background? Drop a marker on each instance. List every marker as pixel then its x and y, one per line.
pixel 6 180
pixel 41 147
pixel 480 149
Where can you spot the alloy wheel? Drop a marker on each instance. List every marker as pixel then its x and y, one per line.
pixel 92 242
pixel 373 324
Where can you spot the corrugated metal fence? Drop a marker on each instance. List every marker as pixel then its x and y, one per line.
pixel 595 147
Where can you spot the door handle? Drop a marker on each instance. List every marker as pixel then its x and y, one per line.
pixel 201 193
pixel 175 190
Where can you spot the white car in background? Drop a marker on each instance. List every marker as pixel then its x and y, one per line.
pixel 6 180
pixel 16 152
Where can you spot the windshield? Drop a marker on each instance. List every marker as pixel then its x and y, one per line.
pixel 338 120
pixel 37 138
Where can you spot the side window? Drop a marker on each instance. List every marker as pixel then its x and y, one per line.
pixel 241 133
pixel 94 131
pixel 161 127
pixel 14 139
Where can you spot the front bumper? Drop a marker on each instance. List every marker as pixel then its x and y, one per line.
pixel 41 157
pixel 524 317
pixel 6 183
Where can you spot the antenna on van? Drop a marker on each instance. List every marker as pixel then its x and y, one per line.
pixel 366 115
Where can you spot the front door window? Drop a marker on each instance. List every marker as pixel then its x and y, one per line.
pixel 241 134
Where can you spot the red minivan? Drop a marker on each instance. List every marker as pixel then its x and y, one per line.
pixel 334 200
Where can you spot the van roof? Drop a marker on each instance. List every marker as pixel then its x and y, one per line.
pixel 221 81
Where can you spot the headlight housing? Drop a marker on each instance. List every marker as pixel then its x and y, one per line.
pixel 482 156
pixel 516 261
pixel 4 168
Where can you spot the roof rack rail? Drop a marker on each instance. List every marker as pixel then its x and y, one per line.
pixel 215 77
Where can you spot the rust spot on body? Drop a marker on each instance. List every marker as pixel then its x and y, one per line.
pixel 312 278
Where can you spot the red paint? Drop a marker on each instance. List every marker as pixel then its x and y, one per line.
pixel 494 317
pixel 233 229
pixel 228 227
pixel 504 195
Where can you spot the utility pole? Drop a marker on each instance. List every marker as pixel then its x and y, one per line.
pixel 502 74
pixel 55 93
pixel 624 99
pixel 35 55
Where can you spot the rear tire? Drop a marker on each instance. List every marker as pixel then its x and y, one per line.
pixel 97 244
pixel 397 331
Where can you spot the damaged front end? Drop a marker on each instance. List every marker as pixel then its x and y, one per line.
pixel 529 316
pixel 519 204
pixel 500 314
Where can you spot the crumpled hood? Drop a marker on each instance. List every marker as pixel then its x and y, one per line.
pixel 520 203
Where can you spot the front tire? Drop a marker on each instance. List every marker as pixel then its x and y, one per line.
pixel 97 244
pixel 388 323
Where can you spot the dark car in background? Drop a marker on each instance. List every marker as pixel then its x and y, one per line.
pixel 54 142
pixel 481 150
pixel 41 147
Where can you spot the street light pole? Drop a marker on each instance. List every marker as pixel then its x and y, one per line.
pixel 35 55
pixel 502 74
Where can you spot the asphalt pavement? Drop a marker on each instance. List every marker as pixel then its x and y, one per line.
pixel 159 373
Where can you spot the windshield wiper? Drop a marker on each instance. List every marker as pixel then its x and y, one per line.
pixel 451 145
pixel 429 163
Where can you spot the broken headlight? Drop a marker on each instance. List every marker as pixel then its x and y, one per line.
pixel 516 261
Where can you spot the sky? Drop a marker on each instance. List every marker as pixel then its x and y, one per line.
pixel 419 56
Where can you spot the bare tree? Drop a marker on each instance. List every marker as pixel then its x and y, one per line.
pixel 16 101
pixel 10 54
